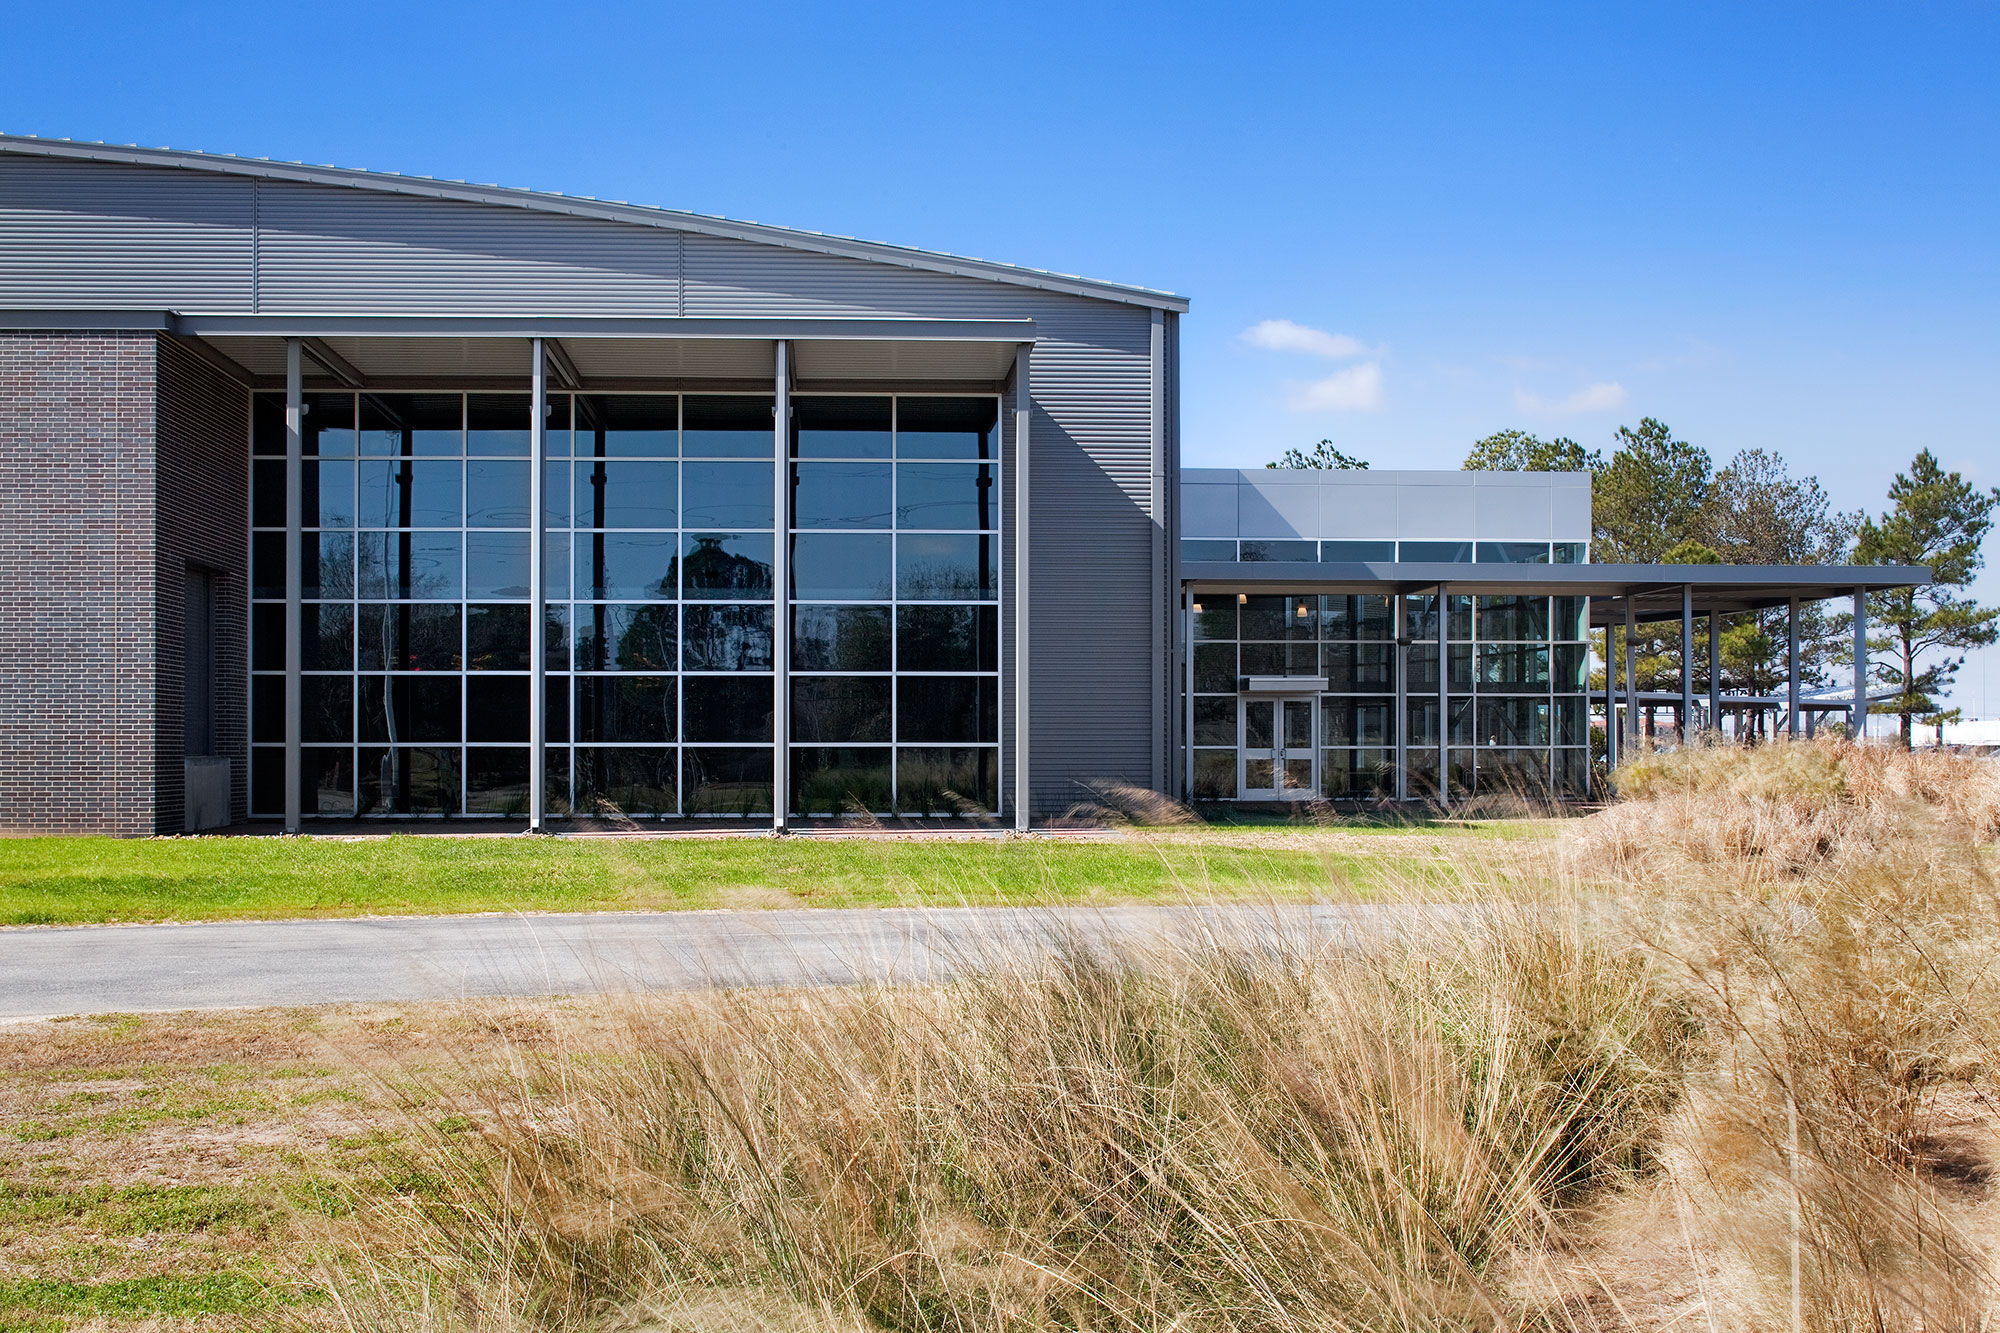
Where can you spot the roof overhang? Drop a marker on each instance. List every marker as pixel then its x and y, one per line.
pixel 492 351
pixel 1654 592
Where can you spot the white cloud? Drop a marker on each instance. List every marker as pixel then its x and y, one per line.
pixel 1282 335
pixel 1355 389
pixel 1605 397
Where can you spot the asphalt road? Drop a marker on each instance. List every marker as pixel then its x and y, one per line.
pixel 46 971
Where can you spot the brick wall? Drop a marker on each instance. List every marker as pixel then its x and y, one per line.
pixel 77 581
pixel 204 520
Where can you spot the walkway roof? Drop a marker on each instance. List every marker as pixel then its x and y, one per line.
pixel 1654 591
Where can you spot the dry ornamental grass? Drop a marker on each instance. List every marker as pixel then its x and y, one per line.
pixel 1721 1056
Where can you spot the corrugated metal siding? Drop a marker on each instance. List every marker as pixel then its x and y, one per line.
pixel 1092 537
pixel 79 235
pixel 329 250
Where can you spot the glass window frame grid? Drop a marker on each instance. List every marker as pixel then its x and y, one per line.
pixel 564 460
pixel 1553 751
pixel 356 675
pixel 894 461
pixel 573 747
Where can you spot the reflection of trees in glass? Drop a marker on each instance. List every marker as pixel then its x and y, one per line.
pixel 628 638
pixel 335 572
pixel 405 636
pixel 728 637
pixel 648 640
pixel 842 638
pixel 940 581
pixel 713 568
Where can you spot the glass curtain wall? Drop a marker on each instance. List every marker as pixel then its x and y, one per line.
pixel 414 564
pixel 895 605
pixel 1518 668
pixel 1348 639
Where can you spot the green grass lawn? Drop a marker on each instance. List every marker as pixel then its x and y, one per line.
pixel 55 881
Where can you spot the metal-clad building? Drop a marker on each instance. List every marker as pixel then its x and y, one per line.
pixel 330 495
pixel 299 400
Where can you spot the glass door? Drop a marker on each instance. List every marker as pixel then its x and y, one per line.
pixel 1277 758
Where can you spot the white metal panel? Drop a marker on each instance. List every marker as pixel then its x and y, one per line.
pixel 1208 510
pixel 1278 509
pixel 1357 506
pixel 1439 513
pixel 1508 510
pixel 1569 517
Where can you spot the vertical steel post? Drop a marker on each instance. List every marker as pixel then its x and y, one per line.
pixel 1857 718
pixel 781 578
pixel 1400 625
pixel 1611 746
pixel 1687 662
pixel 1187 697
pixel 1444 698
pixel 1715 671
pixel 538 589
pixel 1792 669
pixel 295 492
pixel 1631 673
pixel 1589 765
pixel 1023 410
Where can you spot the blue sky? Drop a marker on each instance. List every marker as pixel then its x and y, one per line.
pixel 1768 224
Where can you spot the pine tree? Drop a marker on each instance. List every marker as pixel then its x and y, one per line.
pixel 1939 519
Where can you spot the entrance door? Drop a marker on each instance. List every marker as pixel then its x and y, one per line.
pixel 1277 759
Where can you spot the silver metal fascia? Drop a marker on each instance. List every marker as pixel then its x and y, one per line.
pixel 308 324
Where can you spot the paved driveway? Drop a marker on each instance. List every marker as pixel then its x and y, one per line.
pixel 124 969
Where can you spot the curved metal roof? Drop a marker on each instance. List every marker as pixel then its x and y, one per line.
pixel 612 210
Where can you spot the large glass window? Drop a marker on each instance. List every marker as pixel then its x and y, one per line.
pixel 894 603
pixel 414 561
pixel 1515 670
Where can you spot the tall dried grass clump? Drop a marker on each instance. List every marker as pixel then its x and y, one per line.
pixel 1745 1082
pixel 1203 1138
pixel 1785 808
pixel 1829 913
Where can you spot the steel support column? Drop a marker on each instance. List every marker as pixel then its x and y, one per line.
pixel 1611 732
pixel 538 587
pixel 1715 671
pixel 1792 668
pixel 1401 722
pixel 1187 696
pixel 1023 410
pixel 1688 727
pixel 1857 714
pixel 781 579
pixel 1444 698
pixel 1589 760
pixel 1631 673
pixel 294 575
